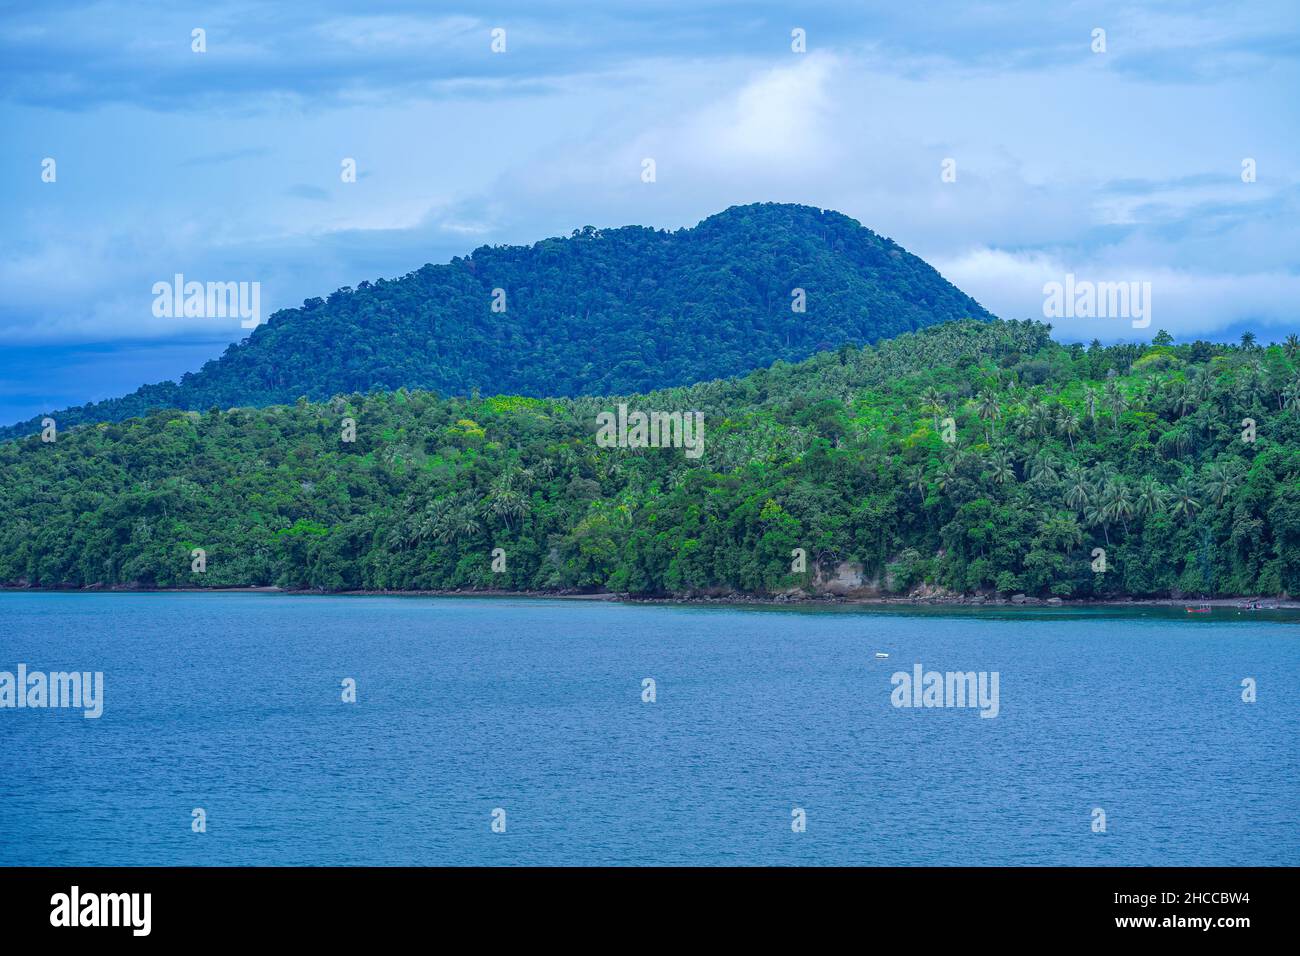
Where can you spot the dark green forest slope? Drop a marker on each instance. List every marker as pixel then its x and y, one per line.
pixel 600 312
pixel 1057 450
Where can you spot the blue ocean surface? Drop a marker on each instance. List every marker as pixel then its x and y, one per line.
pixel 232 702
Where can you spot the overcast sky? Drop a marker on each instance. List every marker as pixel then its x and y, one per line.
pixel 225 165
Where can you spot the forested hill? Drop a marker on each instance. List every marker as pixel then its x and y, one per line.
pixel 600 312
pixel 970 456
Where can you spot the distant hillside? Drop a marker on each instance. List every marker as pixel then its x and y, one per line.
pixel 972 456
pixel 601 312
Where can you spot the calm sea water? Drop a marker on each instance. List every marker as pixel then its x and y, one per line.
pixel 232 703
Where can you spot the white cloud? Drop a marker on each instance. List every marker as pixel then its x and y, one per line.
pixel 778 118
pixel 397 33
pixel 1184 303
pixel 1035 150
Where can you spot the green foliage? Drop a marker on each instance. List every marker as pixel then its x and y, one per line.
pixel 1059 450
pixel 603 312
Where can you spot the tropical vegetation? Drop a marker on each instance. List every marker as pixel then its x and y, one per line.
pixel 1142 451
pixel 602 311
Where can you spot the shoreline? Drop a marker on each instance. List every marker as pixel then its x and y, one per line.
pixel 721 600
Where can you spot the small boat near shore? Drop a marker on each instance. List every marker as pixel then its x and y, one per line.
pixel 1256 606
pixel 1199 609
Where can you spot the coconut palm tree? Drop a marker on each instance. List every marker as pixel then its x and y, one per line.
pixel 1103 474
pixel 1118 503
pixel 1041 417
pixel 1000 468
pixel 1024 427
pixel 466 524
pixel 1250 384
pixel 448 519
pixel 1090 402
pixel 1078 489
pixel 932 402
pixel 1183 501
pixel 946 476
pixel 1042 467
pixel 1220 482
pixel 1291 396
pixel 1067 423
pixel 1151 497
pixel 916 481
pixel 1115 401
pixel 506 499
pixel 1184 397
pixel 988 409
pixel 1094 516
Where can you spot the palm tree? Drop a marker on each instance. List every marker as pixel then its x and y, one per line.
pixel 1103 474
pixel 507 504
pixel 1042 467
pixel 1117 503
pixel 1291 345
pixel 447 520
pixel 1067 422
pixel 932 402
pixel 1251 384
pixel 916 481
pixel 1220 482
pixel 1000 469
pixel 946 476
pixel 988 409
pixel 1095 515
pixel 466 525
pixel 1183 502
pixel 1041 417
pixel 1090 402
pixel 1024 426
pixel 1115 401
pixel 1151 497
pixel 1078 490
pixel 505 500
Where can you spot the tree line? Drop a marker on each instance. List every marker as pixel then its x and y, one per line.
pixel 970 456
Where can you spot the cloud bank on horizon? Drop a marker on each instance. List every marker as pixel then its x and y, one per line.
pixel 1117 165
